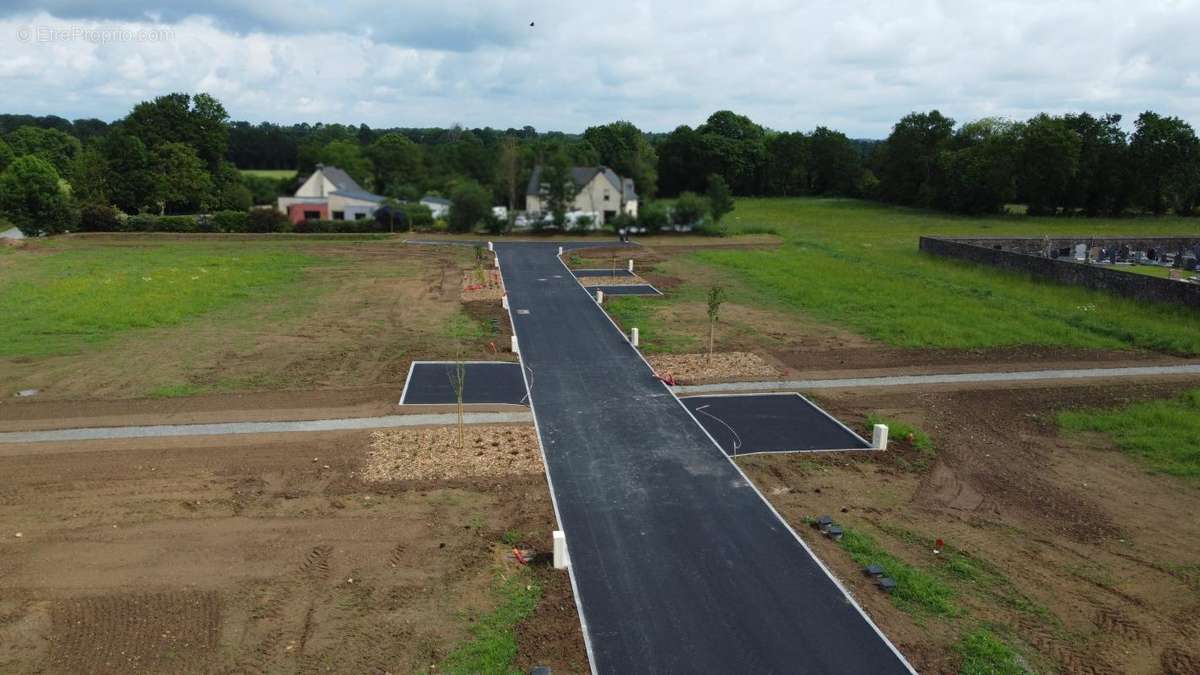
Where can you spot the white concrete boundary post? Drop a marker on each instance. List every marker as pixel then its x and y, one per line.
pixel 515 348
pixel 599 297
pixel 504 300
pixel 560 250
pixel 631 265
pixel 491 246
pixel 560 550
pixel 879 438
pixel 633 336
pixel 497 260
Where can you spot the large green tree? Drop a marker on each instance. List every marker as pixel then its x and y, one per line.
pixel 836 165
pixel 129 180
pixel 52 145
pixel 907 161
pixel 470 203
pixel 975 170
pixel 199 121
pixel 1049 161
pixel 397 161
pixel 32 198
pixel 1160 148
pixel 6 154
pixel 624 148
pixel 348 156
pixel 183 186
pixel 1100 186
pixel 789 159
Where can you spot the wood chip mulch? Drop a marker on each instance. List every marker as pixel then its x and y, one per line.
pixel 725 366
pixel 434 453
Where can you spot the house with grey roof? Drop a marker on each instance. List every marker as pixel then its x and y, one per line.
pixel 330 194
pixel 598 190
pixel 438 206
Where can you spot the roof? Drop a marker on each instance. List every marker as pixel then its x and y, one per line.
pixel 581 176
pixel 358 194
pixel 441 201
pixel 340 179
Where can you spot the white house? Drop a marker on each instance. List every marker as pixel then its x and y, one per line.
pixel 438 206
pixel 598 189
pixel 330 194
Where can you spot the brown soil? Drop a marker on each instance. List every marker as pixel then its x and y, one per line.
pixel 612 281
pixel 357 321
pixel 241 554
pixel 440 453
pixel 722 367
pixel 483 283
pixel 1070 526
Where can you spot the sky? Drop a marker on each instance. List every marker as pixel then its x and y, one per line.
pixel 854 65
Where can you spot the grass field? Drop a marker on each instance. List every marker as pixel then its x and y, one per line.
pixel 68 296
pixel 1163 435
pixel 855 264
pixel 269 173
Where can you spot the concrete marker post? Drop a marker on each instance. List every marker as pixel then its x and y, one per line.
pixel 633 336
pixel 631 265
pixel 879 437
pixel 491 246
pixel 497 261
pixel 599 297
pixel 560 250
pixel 561 561
pixel 504 300
pixel 515 348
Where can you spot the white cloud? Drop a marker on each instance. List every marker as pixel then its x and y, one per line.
pixel 789 65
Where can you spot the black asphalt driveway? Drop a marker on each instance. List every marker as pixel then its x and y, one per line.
pixel 679 564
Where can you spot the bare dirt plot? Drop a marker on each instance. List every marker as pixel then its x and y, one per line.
pixel 1084 562
pixel 355 322
pixel 245 555
pixel 445 452
pixel 720 367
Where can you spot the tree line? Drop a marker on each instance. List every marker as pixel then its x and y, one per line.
pixel 180 153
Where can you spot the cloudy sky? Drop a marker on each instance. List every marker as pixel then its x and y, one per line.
pixel 855 65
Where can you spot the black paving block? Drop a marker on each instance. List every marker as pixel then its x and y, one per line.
pixel 619 272
pixel 771 423
pixel 631 289
pixel 432 383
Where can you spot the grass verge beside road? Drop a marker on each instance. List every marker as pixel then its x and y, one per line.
pixel 1162 435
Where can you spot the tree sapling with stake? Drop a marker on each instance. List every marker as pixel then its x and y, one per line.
pixel 716 296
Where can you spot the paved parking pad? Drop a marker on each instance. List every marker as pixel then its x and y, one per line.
pixel 629 289
pixel 619 272
pixel 761 423
pixel 432 383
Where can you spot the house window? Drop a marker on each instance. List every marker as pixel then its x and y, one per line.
pixel 339 215
pixel 359 216
pixel 606 195
pixel 312 215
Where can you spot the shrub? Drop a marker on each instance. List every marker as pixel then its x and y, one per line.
pixel 654 218
pixel 420 218
pixel 621 221
pixel 230 221
pixel 494 224
pixel 99 217
pixel 266 220
pixel 178 224
pixel 470 202
pixel 689 209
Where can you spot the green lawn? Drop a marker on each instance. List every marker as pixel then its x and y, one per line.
pixel 269 173
pixel 1163 435
pixel 64 296
pixel 856 264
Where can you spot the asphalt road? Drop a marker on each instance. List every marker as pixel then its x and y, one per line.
pixel 679 564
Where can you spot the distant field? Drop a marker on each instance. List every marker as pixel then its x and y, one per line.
pixel 270 173
pixel 856 265
pixel 57 301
